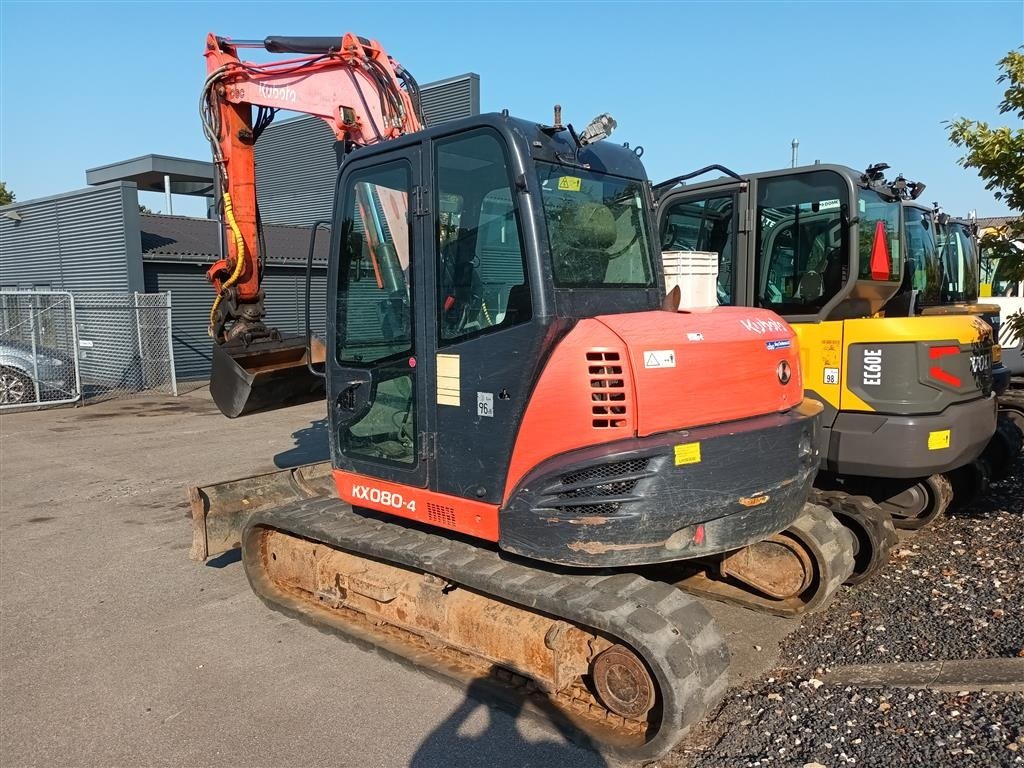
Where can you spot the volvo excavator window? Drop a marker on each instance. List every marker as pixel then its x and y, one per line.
pixel 705 225
pixel 374 311
pixel 802 245
pixel 873 210
pixel 482 276
pixel 597 228
pixel 959 260
pixel 926 270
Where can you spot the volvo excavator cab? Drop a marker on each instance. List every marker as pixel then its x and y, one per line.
pixel 907 399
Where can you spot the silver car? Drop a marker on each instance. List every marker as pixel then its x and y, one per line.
pixel 19 369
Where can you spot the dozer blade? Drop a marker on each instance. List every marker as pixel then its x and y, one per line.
pixel 219 511
pixel 264 375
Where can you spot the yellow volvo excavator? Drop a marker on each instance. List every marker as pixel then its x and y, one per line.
pixel 908 400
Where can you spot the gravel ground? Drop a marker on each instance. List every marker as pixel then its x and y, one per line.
pixel 953 591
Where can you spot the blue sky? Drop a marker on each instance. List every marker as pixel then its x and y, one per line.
pixel 84 84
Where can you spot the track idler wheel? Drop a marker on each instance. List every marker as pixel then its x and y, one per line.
pixel 872 527
pixel 913 508
pixel 622 683
pixel 792 573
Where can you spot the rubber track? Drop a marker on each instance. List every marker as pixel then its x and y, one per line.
pixel 829 543
pixel 672 632
pixel 866 514
pixel 834 552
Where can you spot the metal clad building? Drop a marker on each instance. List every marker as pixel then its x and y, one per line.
pixel 85 240
pixel 451 99
pixel 296 164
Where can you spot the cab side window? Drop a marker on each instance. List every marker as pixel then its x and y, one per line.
pixel 705 225
pixel 482 276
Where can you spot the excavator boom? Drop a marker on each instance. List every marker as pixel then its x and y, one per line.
pixel 366 97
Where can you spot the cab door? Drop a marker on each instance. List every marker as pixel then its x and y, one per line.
pixel 709 220
pixel 377 403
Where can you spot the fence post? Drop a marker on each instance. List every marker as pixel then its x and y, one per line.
pixel 170 346
pixel 35 351
pixel 74 342
pixel 138 336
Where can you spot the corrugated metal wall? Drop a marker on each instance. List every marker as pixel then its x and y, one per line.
pixel 451 99
pixel 192 297
pixel 295 170
pixel 296 164
pixel 76 242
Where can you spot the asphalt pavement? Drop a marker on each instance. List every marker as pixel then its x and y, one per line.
pixel 115 649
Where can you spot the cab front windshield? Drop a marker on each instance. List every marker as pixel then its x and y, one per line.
pixel 597 228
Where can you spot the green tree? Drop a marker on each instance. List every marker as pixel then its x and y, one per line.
pixel 997 153
pixel 6 196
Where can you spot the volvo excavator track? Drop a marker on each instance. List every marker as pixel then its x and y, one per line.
pixel 792 573
pixel 872 527
pixel 629 662
pixel 911 505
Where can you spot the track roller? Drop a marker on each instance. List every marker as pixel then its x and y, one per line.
pixel 792 573
pixel 872 528
pixel 629 663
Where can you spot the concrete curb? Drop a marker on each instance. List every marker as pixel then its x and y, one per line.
pixel 969 675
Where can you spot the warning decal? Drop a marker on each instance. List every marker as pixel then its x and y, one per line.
pixel 939 440
pixel 687 453
pixel 659 358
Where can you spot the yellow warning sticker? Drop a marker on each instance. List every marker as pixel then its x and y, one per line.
pixel 938 440
pixel 570 183
pixel 687 453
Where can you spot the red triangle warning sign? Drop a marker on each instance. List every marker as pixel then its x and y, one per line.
pixel 880 253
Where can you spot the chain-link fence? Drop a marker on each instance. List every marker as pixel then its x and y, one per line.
pixel 124 344
pixel 56 347
pixel 38 360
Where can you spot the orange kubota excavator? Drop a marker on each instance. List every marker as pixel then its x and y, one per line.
pixel 366 98
pixel 534 455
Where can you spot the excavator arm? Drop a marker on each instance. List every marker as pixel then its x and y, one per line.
pixel 366 97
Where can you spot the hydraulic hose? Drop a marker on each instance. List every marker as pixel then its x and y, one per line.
pixel 229 217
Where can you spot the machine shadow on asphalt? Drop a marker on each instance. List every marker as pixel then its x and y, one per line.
pixel 311 445
pixel 230 557
pixel 500 742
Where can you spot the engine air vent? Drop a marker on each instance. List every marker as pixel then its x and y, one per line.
pixel 607 390
pixel 439 514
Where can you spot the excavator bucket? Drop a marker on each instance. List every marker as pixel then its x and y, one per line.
pixel 219 510
pixel 264 375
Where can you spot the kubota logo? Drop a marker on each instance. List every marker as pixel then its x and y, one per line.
pixel 279 92
pixel 761 327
